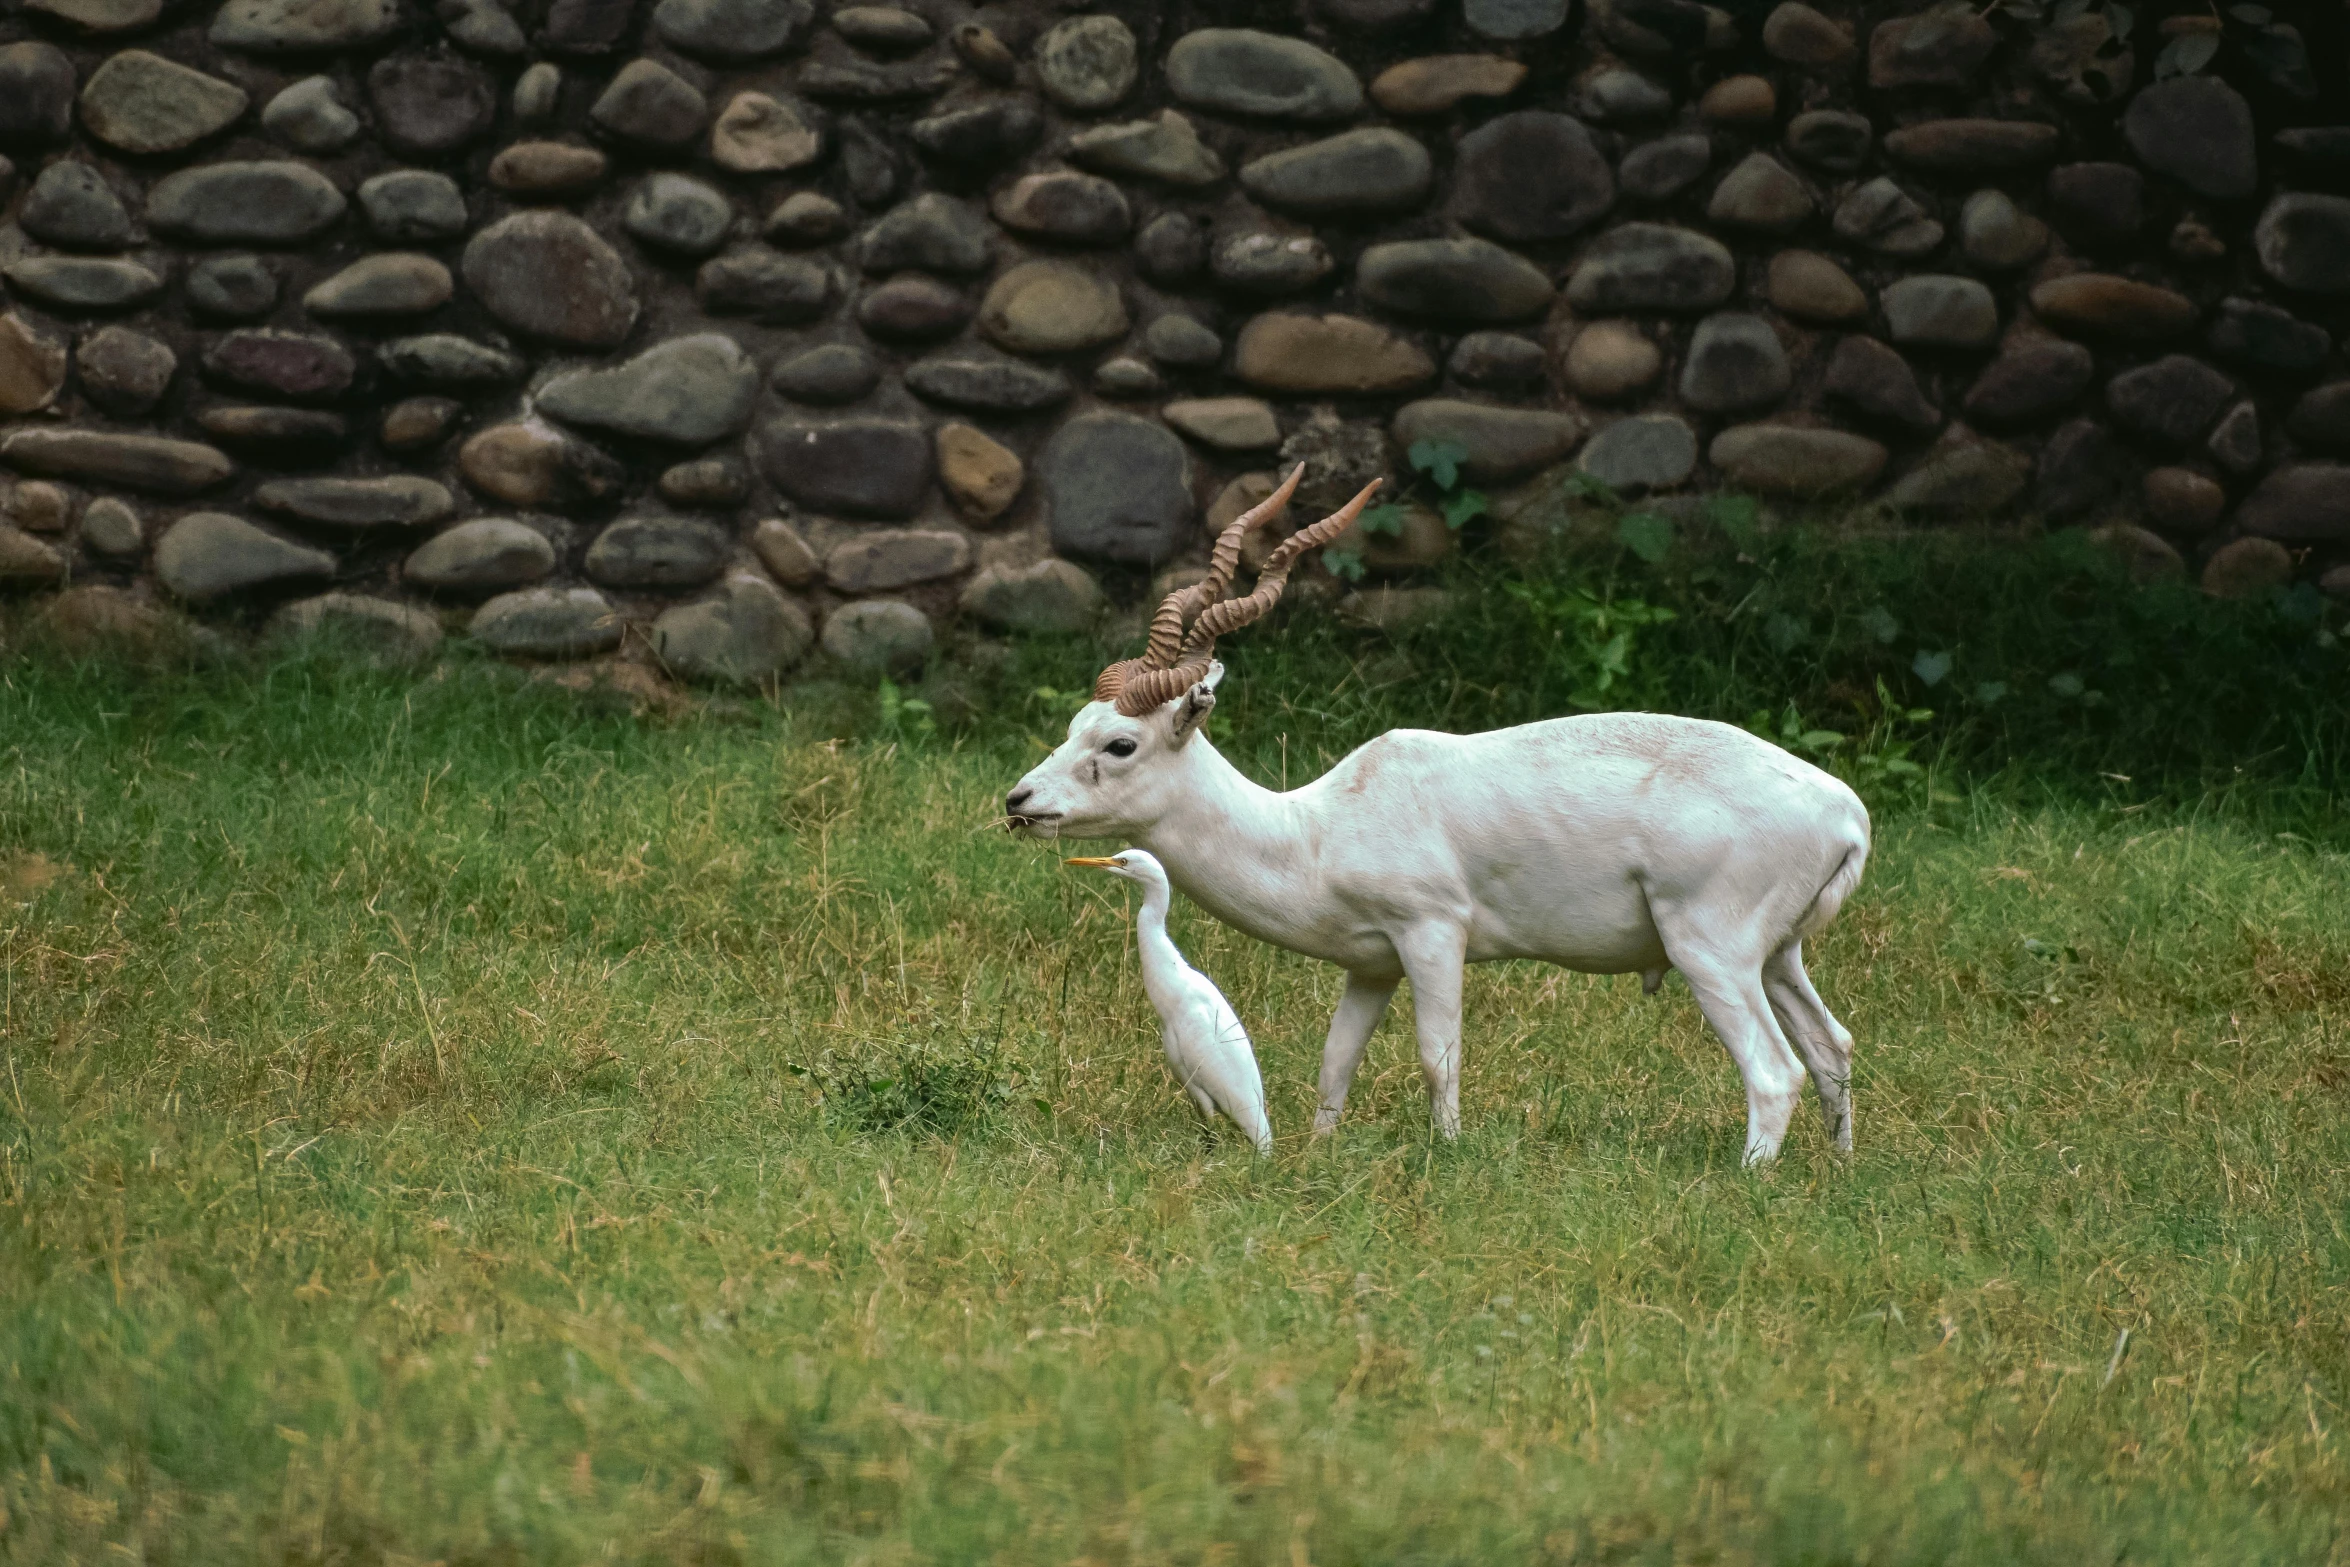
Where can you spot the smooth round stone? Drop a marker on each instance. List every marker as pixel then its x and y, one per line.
pixel 2102 304
pixel 1077 209
pixel 858 467
pixel 377 631
pixel 299 365
pixel 785 554
pixel 806 218
pixel 2303 242
pixel 484 27
pixel 1735 362
pixel 678 214
pixel 931 233
pixel 657 552
pixel 1182 343
pixel 1044 598
pixel 1171 248
pixel 1741 102
pixel 1498 443
pixel 1166 149
pixel 766 285
pixel 730 31
pixel 832 373
pixel 446 359
pixel 245 203
pixel 1124 376
pixel 414 424
pixel 1116 488
pixel 32 366
pixel 1966 146
pixel 1996 234
pixel 547 168
pixel 652 106
pixel 208 555
pixel 882 559
pixel 237 287
pixel 1647 452
pixel 2030 381
pixel 1230 70
pixel 1976 480
pixel 141 103
pixel 123 371
pixel 1652 266
pixel 1760 196
pixel 2267 337
pixel 2235 442
pixel 1533 175
pixel 1372 170
pixel 1875 382
pixel 36 95
pixel 1798 462
pixel 987 383
pixel 1270 261
pixel 989 57
pixel 1931 311
pixel 1232 424
pixel 1942 46
pixel 746 634
pixel 399 500
pixel 1452 279
pixel 430 104
pixel 310 116
pixel 547 623
pixel 1051 307
pixel 2145 556
pixel 1373 16
pixel 537 93
pixel 1796 34
pixel 304 26
pixel 884 29
pixel 100 16
pixel 397 283
pixel 1811 287
pixel 1280 352
pixel 300 432
pixel 75 283
pixel 1832 139
pixel 536 465
pixel 2172 401
pixel 1496 359
pixel 760 133
pixel 1613 95
pixel 1660 170
pixel 1438 84
pixel 1510 20
pixel 1087 63
pixel 879 635
pixel 2199 131
pixel 2301 503
pixel 1886 218
pixel 974 142
pixel 2247 569
pixel 71 206
pixel 2183 501
pixel 112 528
pixel 688 391
pixel 2097 206
pixel 980 473
pixel 412 206
pixel 550 276
pixel 913 309
pixel 714 483
pixel 28 562
pixel 135 462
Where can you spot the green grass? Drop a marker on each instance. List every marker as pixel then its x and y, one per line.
pixel 461 1122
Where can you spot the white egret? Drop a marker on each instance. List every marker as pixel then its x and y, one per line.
pixel 1206 1045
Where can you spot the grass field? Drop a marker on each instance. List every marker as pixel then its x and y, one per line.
pixel 460 1122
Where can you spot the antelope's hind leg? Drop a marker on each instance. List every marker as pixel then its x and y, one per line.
pixel 1824 1043
pixel 1729 989
pixel 1351 1026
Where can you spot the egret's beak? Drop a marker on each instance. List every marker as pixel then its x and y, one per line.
pixel 1098 862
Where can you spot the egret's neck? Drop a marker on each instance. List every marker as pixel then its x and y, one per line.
pixel 1161 962
pixel 1236 848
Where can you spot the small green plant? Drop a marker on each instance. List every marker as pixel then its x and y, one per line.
pixel 1600 633
pixel 914 1089
pixel 904 718
pixel 1438 463
pixel 1876 760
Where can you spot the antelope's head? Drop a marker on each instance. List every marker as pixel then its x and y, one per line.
pixel 1121 769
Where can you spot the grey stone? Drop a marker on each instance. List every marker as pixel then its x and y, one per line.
pixel 395 283
pixel 1166 149
pixel 1799 462
pixel 100 16
pixel 124 372
pixel 1961 481
pixel 1884 217
pixel 2235 442
pixel 2174 400
pixel 1181 342
pixel 882 29
pixel 1533 175
pixel 1452 279
pixel 1125 376
pixel 245 203
pixel 1046 598
pixel 72 207
pixel 1076 209
pixel 430 104
pixel 397 500
pixel 304 26
pixel 931 233
pixel 878 635
pixel 1735 362
pixel 1930 310
pixel 586 26
pixel 2303 241
pixel 1116 488
pixel 2030 381
pixel 1373 16
pixel 766 133
pixel 1612 95
pixel 142 103
pixel 2262 336
pixel 2302 503
pixel 688 391
pixel 1661 29
pixel 1171 248
pixel 2081 468
pixel 1660 170
pixel 1875 382
pixel 481 555
pixel 1760 196
pixel 1499 443
pixel 2247 569
pixel 806 218
pixel 718 483
pixel 78 283
pixel 28 562
pixel 1651 266
pixel 2101 304
pixel 284 435
pixel 1232 424
pixel 1269 260
pixel 2198 130
pixel 135 462
pixel 111 528
pixel 547 623
pixel 1942 46
pixel 657 552
pixel 1969 146
pixel 1833 139
pixel 868 164
pixel 36 95
pixel 766 285
pixel 1810 287
pixel 1087 63
pixel 2322 149
pixel 379 631
pixel 975 142
pixel 32 366
pixel 548 275
pixel 678 214
pixel 881 559
pixel 2097 206
pixel 1371 170
pixel 987 382
pixel 1052 307
pixel 445 359
pixel 1508 20
pixel 2321 418
pixel 483 27
pixel 1647 452
pixel 310 116
pixel 651 105
pixel 745 634
pixel 858 467
pixel 413 206
pixel 1996 234
pixel 1496 359
pixel 730 31
pixel 208 555
pixel 832 373
pixel 237 287
pixel 913 308
pixel 1230 70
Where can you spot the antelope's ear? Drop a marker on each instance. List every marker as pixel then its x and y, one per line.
pixel 1215 675
pixel 1194 706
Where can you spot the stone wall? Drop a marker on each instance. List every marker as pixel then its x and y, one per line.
pixel 751 326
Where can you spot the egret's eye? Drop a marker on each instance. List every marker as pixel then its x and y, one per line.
pixel 1120 747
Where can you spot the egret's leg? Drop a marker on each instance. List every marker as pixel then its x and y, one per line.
pixel 1359 1012
pixel 1824 1044
pixel 1432 958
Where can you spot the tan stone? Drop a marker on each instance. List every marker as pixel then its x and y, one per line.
pixel 785 554
pixel 1810 287
pixel 101 16
pixel 1305 353
pixel 2148 557
pixel 1052 307
pixel 1437 84
pixel 2100 302
pixel 520 464
pixel 982 475
pixel 2247 569
pixel 32 366
pixel 756 134
pixel 1799 35
pixel 547 168
pixel 1250 489
pixel 1233 424
pixel 26 561
pixel 39 507
pixel 1610 360
pixel 2184 501
pixel 1420 540
pixel 1747 101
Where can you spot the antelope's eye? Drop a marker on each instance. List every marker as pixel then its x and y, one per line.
pixel 1120 747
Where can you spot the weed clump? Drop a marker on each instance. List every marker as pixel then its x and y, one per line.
pixel 915 1089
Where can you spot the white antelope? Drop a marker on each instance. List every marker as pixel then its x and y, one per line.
pixel 1611 843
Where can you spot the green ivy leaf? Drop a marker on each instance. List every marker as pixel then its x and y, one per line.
pixel 1878 622
pixel 1347 565
pixel 2186 54
pixel 1463 508
pixel 1387 519
pixel 1989 691
pixel 1439 460
pixel 1646 535
pixel 1930 668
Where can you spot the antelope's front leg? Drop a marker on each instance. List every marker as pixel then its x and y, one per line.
pixel 1358 1014
pixel 1432 958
